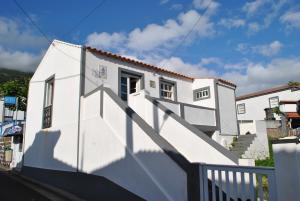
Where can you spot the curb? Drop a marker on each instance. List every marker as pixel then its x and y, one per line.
pixel 54 190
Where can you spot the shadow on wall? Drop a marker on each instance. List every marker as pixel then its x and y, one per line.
pixel 48 169
pixel 86 186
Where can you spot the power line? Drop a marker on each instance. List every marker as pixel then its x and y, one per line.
pixel 84 18
pixel 187 35
pixel 32 21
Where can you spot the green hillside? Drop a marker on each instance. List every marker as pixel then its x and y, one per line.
pixel 7 74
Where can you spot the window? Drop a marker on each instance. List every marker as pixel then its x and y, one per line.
pixel 130 83
pixel 200 94
pixel 241 108
pixel 274 102
pixel 167 90
pixel 48 103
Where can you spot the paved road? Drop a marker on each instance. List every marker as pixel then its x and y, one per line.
pixel 12 190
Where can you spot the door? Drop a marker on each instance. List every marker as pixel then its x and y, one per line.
pixel 129 84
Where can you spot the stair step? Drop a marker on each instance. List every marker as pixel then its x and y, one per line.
pixel 242 144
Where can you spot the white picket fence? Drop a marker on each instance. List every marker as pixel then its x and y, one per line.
pixel 238 183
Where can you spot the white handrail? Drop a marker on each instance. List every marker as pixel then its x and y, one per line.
pixel 236 183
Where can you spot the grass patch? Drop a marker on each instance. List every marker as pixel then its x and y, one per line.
pixel 269 162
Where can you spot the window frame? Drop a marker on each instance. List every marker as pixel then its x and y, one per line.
pixel 274 97
pixel 123 71
pixel 174 86
pixel 45 104
pixel 201 90
pixel 237 108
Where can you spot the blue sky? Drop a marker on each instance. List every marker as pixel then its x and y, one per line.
pixel 253 43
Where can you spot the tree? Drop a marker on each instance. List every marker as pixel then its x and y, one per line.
pixel 18 88
pixel 294 84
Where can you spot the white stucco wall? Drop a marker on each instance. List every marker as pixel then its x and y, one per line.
pixel 199 116
pixel 55 147
pixel 183 139
pixel 288 108
pixel 201 83
pixel 287 166
pixel 255 106
pixel 184 86
pixel 227 110
pixel 117 148
pixel 174 107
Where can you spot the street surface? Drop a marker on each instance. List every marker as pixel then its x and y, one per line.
pixel 13 190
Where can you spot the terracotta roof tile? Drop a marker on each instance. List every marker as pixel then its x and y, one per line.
pixel 128 60
pixel 149 66
pixel 264 92
pixel 293 115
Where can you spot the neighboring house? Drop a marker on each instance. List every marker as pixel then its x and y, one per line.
pixel 252 106
pixel 9 118
pixel 290 117
pixel 99 124
pixel 9 115
pixel 257 115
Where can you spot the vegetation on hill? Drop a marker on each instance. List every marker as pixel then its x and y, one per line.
pixel 8 75
pixel 15 83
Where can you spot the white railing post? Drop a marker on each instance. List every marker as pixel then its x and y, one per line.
pixel 201 182
pixel 238 185
pixel 272 187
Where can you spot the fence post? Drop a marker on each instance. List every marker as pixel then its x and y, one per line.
pixel 272 187
pixel 201 183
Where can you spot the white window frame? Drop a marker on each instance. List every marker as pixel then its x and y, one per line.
pixel 202 93
pixel 271 103
pixel 238 108
pixel 167 88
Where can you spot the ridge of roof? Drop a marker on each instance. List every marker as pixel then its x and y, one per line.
pixel 132 61
pixel 264 92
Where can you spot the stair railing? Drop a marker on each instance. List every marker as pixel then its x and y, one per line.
pixel 237 183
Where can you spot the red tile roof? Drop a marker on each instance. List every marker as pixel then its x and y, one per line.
pixel 149 66
pixel 265 92
pixel 293 115
pixel 287 102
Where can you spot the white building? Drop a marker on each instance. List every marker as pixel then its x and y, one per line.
pixel 252 106
pixel 136 137
pixel 255 112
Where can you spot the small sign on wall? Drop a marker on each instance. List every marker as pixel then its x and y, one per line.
pixel 101 72
pixel 152 84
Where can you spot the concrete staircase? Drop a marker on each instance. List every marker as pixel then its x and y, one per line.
pixel 242 144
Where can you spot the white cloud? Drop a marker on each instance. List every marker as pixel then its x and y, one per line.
pixel 210 6
pixel 156 36
pixel 258 76
pixel 19 60
pixel 232 22
pixel 252 7
pixel 164 1
pixel 243 48
pixel 106 40
pixel 178 65
pixel 176 6
pixel 15 34
pixel 239 66
pixel 268 49
pixel 210 60
pixel 254 27
pixel 291 19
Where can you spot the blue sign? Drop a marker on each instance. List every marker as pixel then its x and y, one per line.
pixel 10 100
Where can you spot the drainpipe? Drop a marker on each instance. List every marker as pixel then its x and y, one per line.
pixel 81 89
